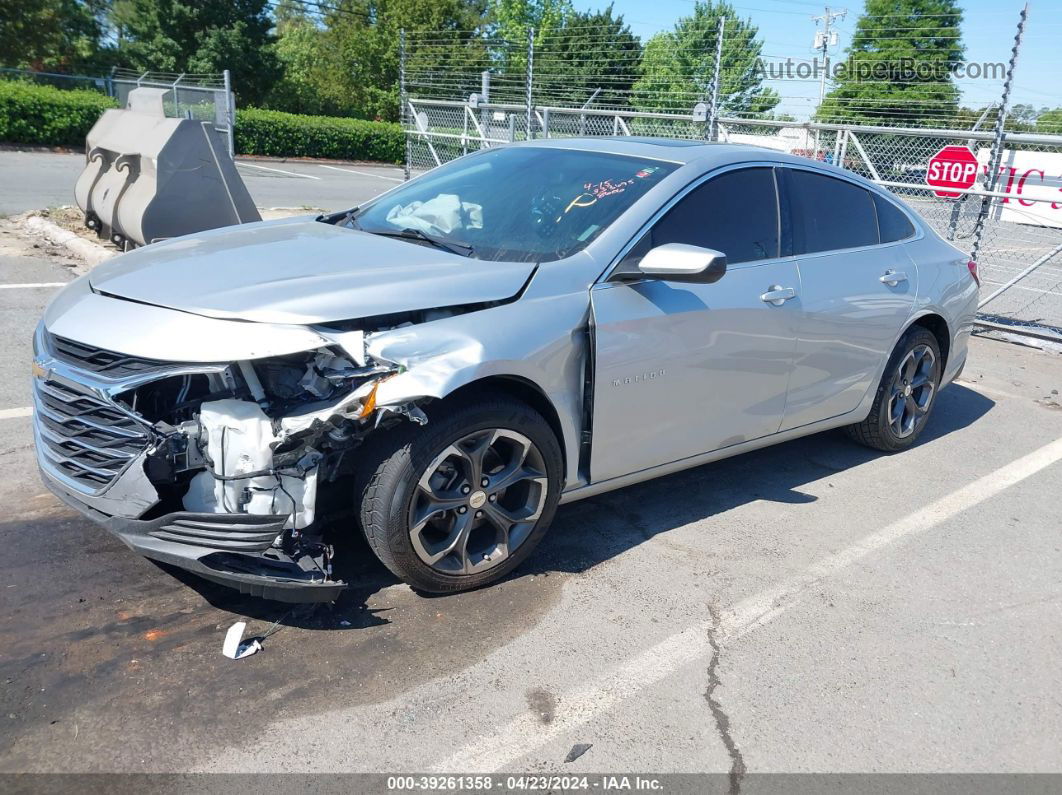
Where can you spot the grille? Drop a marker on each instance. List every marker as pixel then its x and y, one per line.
pixel 83 437
pixel 237 532
pixel 97 360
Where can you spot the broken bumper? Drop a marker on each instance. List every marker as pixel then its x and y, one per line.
pixel 230 549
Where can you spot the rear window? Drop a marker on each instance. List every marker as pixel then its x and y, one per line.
pixel 892 223
pixel 829 213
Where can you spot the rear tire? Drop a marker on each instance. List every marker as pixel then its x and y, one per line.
pixel 436 501
pixel 905 396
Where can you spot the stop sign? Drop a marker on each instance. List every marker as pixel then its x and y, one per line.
pixel 954 168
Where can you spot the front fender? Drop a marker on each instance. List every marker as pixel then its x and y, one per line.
pixel 539 340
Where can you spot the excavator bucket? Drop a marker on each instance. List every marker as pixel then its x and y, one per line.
pixel 148 177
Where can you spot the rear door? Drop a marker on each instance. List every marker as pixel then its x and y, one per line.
pixel 856 291
pixel 682 369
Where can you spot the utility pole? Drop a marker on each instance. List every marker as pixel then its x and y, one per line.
pixel 713 107
pixel 824 39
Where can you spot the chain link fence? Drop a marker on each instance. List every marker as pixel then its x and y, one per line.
pixel 205 97
pixel 463 90
pixel 1021 228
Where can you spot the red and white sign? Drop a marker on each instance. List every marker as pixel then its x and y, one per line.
pixel 952 169
pixel 1026 175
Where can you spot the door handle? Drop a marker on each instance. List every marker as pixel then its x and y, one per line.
pixel 777 295
pixel 892 278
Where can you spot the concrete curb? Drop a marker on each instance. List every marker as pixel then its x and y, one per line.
pixel 92 253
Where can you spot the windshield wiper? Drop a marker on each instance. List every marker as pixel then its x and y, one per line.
pixel 453 246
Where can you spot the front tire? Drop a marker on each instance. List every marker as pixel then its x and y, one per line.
pixel 461 502
pixel 905 396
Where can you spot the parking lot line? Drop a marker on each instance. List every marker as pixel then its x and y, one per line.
pixel 278 170
pixel 32 286
pixel 362 173
pixel 526 733
pixel 10 414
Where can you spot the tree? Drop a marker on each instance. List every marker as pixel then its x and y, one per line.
pixel 1050 122
pixel 204 37
pixel 587 51
pixel 511 19
pixel 678 66
pixel 303 86
pixel 51 35
pixel 898 66
pixel 361 45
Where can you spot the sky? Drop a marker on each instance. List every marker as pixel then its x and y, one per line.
pixel 787 30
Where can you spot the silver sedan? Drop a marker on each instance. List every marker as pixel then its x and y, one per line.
pixel 442 367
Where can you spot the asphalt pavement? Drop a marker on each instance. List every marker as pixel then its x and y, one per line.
pixel 36 180
pixel 815 606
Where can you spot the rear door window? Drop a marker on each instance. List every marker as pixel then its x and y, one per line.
pixel 829 213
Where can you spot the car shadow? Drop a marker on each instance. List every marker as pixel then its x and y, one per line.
pixel 773 474
pixel 636 514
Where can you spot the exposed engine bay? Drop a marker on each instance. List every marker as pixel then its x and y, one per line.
pixel 263 437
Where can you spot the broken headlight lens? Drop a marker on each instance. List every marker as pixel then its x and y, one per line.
pixel 324 374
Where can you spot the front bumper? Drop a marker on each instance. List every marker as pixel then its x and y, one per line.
pixel 86 448
pixel 230 549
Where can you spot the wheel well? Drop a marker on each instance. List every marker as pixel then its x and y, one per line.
pixel 526 392
pixel 938 327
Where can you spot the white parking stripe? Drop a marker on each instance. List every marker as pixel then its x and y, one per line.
pixel 362 173
pixel 526 733
pixel 278 170
pixel 10 414
pixel 1022 287
pixel 32 286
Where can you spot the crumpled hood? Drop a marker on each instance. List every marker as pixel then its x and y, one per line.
pixel 302 271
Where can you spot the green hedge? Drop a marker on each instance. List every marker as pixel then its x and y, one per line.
pixel 35 114
pixel 275 134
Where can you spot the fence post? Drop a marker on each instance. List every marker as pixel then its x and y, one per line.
pixel 403 102
pixel 998 137
pixel 956 207
pixel 230 113
pixel 713 107
pixel 484 113
pixel 177 96
pixel 530 80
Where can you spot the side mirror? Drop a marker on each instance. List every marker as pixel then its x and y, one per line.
pixel 678 262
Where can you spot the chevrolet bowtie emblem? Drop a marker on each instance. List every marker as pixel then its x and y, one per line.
pixel 38 370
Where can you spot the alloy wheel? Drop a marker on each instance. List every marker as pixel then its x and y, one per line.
pixel 478 501
pixel 912 391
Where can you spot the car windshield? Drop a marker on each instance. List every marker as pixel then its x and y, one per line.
pixel 516 203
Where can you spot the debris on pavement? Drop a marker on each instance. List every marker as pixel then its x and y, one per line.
pixel 233 648
pixel 578 750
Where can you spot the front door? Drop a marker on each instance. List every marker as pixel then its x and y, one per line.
pixel 683 369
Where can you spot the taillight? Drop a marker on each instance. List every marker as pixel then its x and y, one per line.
pixel 972 267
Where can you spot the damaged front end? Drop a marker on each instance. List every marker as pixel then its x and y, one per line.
pixel 223 469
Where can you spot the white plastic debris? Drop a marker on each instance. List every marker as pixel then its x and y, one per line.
pixel 234 647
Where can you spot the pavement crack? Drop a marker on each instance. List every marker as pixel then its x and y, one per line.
pixel 722 720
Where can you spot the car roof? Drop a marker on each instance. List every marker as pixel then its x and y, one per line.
pixel 706 154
